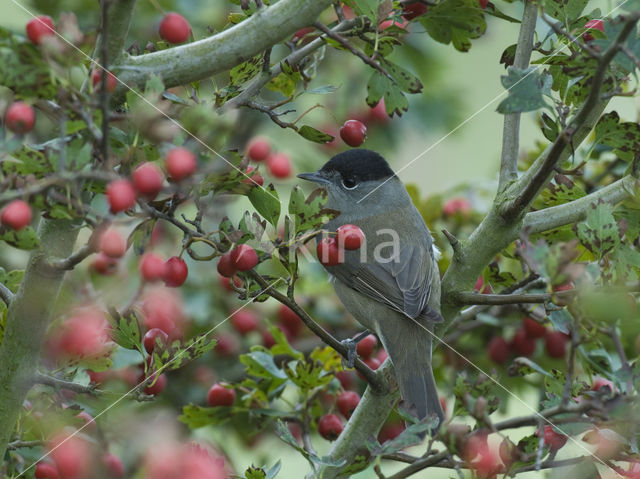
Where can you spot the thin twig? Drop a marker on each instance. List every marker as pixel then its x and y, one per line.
pixel 18 444
pixel 62 384
pixel 69 263
pixel 467 297
pixel 511 127
pixel 6 294
pixel 371 377
pixel 347 44
pixel 104 91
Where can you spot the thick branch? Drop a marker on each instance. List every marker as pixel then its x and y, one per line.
pixel 119 21
pixel 568 213
pixel 27 320
pixel 537 176
pixel 201 59
pixel 511 128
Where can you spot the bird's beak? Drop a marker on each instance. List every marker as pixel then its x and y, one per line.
pixel 316 177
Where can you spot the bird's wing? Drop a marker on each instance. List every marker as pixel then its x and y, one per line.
pixel 404 285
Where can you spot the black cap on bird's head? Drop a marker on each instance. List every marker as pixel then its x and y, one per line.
pixel 353 166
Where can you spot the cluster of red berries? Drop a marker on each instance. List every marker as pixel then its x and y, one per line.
pixel 241 258
pixel 524 340
pixel 259 150
pixel 330 250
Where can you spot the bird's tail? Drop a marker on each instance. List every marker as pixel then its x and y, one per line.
pixel 409 347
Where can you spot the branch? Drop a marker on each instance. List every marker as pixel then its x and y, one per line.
pixel 6 294
pixel 27 320
pixel 373 378
pixel 533 419
pixel 568 213
pixel 201 59
pixel 511 128
pixel 18 444
pixel 421 464
pixel 57 383
pixel 467 297
pixel 292 60
pixel 120 13
pixel 537 176
pixel 347 44
pixel 69 263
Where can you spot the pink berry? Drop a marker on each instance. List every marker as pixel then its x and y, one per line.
pixel 147 180
pixel 112 244
pixel 258 149
pixel 121 195
pixel 39 27
pixel 174 28
pixel 20 117
pixel 181 163
pixel 16 215
pixel 221 396
pixel 279 165
pixel 152 267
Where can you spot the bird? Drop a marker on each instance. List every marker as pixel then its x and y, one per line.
pixel 391 285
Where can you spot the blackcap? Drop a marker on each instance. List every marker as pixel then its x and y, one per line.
pixel 391 284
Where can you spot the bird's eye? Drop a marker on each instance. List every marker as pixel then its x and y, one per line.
pixel 349 183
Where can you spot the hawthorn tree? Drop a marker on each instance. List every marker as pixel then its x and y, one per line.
pixel 121 147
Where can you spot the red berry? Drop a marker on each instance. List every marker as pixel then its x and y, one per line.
pixel 149 340
pixel 533 328
pixel 413 10
pixel 347 403
pixel 279 165
pixel 456 206
pixel 244 257
pixel 174 28
pixel 366 346
pixel 564 287
pixel 96 79
pixel 382 356
pixel 221 396
pixel 20 117
pixel 176 272
pixel 345 378
pixel 301 34
pixel 350 237
pixel 482 287
pixel 46 470
pixel 595 24
pixel 255 179
pixel 522 344
pixel 290 320
pixel 227 345
pixel 84 334
pixel 328 252
pixel 113 465
pixel 112 244
pixel 258 149
pixel 599 382
pixel 244 321
pixel 330 426
pixel 162 308
pixel 104 264
pixel 390 431
pixel 388 23
pixel 155 388
pixel 498 350
pixel 181 163
pixel 556 344
pixel 553 439
pixel 226 266
pixel 379 113
pixel 38 27
pixel 483 3
pixel 72 457
pixel 16 215
pixel 121 195
pixel 373 363
pixel 353 132
pixel 152 267
pixel 147 179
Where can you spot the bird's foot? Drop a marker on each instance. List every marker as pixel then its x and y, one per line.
pixel 352 349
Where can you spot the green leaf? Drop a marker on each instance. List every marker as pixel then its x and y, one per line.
pixel 176 355
pixel 565 10
pixel 623 137
pixel 198 416
pixel 522 366
pixel 126 330
pixel 261 364
pixel 25 238
pixel 559 191
pixel 281 345
pixel 508 55
pixel 314 135
pixel 455 21
pixel 245 71
pixel 380 86
pixel 27 161
pixel 285 83
pixel 23 70
pixel 368 8
pixel 525 90
pixel 404 79
pixel 141 235
pixel 12 279
pixel 255 473
pixel 266 202
pixel 599 232
pixel 309 213
pixel 561 320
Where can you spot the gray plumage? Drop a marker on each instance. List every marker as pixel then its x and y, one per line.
pixel 391 285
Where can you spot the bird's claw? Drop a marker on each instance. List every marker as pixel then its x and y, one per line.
pixel 352 352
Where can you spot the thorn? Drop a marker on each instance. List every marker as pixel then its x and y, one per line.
pixel 455 244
